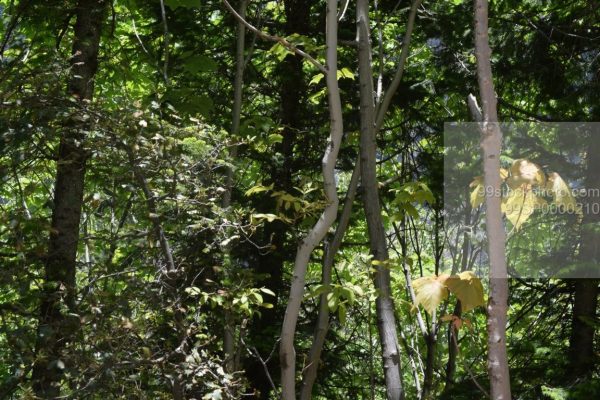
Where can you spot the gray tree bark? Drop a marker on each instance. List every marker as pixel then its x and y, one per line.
pixel 287 353
pixel 386 320
pixel 491 143
pixel 314 356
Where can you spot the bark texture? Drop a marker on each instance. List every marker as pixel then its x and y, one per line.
pixel 386 320
pixel 314 357
pixel 491 143
pixel 287 353
pixel 229 331
pixel 55 326
pixel 292 115
pixel 581 346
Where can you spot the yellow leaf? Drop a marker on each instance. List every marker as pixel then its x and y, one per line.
pixel 430 291
pixel 478 194
pixel 561 192
pixel 520 204
pixel 524 172
pixel 468 288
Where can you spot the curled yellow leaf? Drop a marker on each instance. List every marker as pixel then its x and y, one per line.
pixel 430 291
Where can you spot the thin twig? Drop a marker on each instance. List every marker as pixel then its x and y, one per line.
pixel 277 39
pixel 166 40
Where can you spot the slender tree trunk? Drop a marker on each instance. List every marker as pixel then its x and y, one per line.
pixel 229 331
pixel 386 320
pixel 581 347
pixel 491 143
pixel 170 274
pixel 292 91
pixel 55 327
pixel 464 263
pixel 287 353
pixel 314 357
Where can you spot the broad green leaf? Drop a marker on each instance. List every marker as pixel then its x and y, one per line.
pixel 332 301
pixel 316 79
pixel 258 189
pixel 280 51
pixel 199 63
pixel 467 287
pixel 320 289
pixel 275 138
pixel 344 73
pixel 430 291
pixel 342 314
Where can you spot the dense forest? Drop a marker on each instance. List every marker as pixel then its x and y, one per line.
pixel 296 199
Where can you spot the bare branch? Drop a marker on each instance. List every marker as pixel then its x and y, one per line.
pixel 278 39
pixel 389 93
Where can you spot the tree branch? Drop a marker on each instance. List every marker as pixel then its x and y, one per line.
pixel 277 39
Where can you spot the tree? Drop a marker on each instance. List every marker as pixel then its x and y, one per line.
pixel 317 233
pixel 386 320
pixel 491 144
pixel 56 322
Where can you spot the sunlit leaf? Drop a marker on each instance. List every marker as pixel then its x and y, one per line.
pixel 258 189
pixel 467 287
pixel 316 79
pixel 267 291
pixel 524 172
pixel 430 291
pixel 563 197
pixel 520 204
pixel 345 73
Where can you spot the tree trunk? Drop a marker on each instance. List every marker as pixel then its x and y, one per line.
pixel 229 320
pixel 287 353
pixel 314 357
pixel 55 327
pixel 292 92
pixel 581 346
pixel 386 320
pixel 491 143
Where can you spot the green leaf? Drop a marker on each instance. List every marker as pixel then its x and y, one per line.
pixel 173 4
pixel 316 79
pixel 275 138
pixel 332 301
pixel 267 291
pixel 258 189
pixel 320 289
pixel 198 64
pixel 280 51
pixel 344 73
pixel 342 314
pixel 268 217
